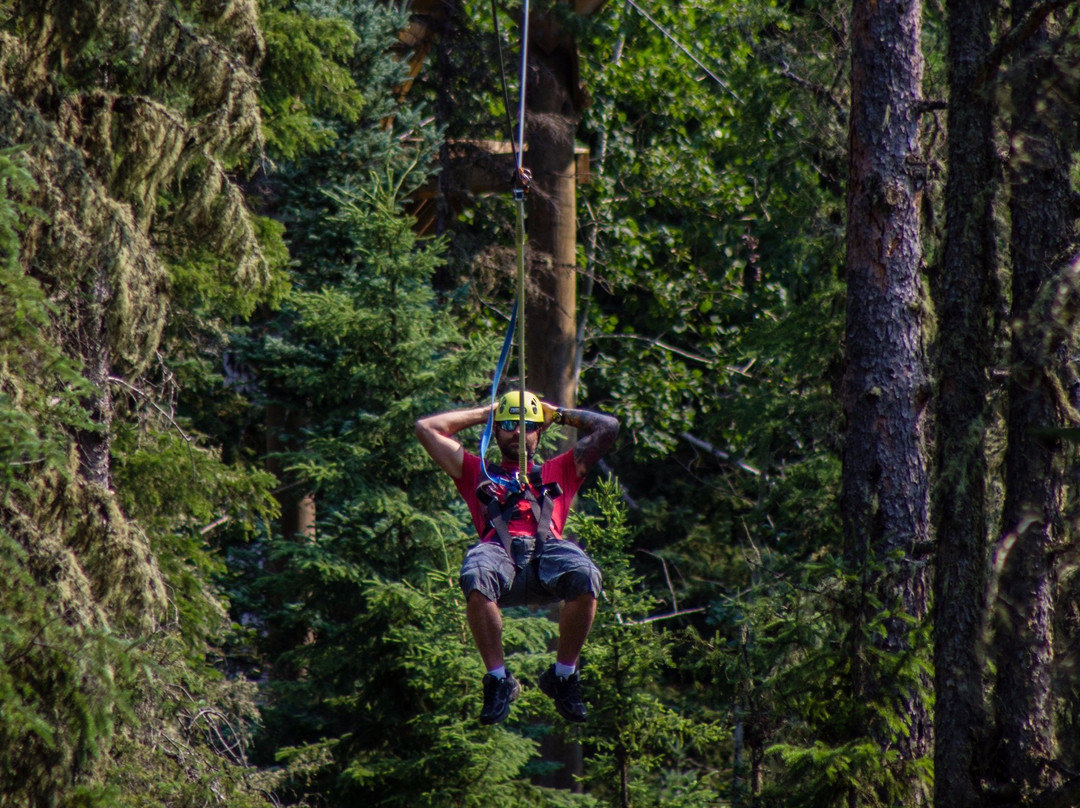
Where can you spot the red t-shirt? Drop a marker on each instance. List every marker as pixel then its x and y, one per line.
pixel 560 469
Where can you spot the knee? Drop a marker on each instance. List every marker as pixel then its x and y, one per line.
pixel 580 586
pixel 478 598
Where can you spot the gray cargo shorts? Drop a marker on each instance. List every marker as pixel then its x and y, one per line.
pixel 562 571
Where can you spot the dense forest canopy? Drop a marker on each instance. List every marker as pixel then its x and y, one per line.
pixel 820 260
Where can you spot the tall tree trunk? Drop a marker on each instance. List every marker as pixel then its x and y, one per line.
pixel 553 97
pixel 885 490
pixel 962 290
pixel 1039 201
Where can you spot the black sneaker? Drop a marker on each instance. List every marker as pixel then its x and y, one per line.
pixel 498 693
pixel 566 693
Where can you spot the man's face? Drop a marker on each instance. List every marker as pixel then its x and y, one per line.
pixel 509 440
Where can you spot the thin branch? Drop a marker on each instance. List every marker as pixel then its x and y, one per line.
pixel 188 440
pixel 215 524
pixel 168 416
pixel 1016 37
pixel 684 49
pixel 720 454
pixel 931 105
pixel 667 577
pixel 657 343
pixel 669 616
pixel 31 643
pixel 818 91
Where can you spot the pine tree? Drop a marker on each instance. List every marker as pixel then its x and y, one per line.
pixel 640 740
pixel 381 678
pixel 137 121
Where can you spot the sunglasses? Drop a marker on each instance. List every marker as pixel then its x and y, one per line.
pixel 510 426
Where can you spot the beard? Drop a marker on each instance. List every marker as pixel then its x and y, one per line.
pixel 509 447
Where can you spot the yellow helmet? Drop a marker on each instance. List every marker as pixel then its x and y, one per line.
pixel 508 409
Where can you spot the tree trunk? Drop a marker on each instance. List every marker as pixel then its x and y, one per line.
pixel 553 97
pixel 297 523
pixel 95 446
pixel 885 490
pixel 283 427
pixel 962 288
pixel 1023 642
pixel 737 760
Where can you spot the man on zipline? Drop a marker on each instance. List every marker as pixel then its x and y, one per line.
pixel 521 558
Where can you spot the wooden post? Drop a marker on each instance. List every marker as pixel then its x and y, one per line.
pixel 553 99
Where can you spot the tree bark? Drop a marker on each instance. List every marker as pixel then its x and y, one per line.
pixel 553 98
pixel 962 289
pixel 1023 643
pixel 283 428
pixel 885 489
pixel 95 446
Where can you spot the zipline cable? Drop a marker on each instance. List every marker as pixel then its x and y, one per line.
pixel 521 82
pixel 516 327
pixel 519 198
pixel 502 81
pixel 523 459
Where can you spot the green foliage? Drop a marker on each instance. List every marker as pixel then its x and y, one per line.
pixel 797 667
pixel 187 742
pixel 306 78
pixel 202 290
pixel 153 108
pixel 15 182
pixel 638 736
pixel 39 386
pixel 58 694
pixel 716 331
pixel 710 213
pixel 103 705
pixel 60 699
pixel 370 699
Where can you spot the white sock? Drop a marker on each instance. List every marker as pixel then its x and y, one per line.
pixel 562 670
pixel 499 672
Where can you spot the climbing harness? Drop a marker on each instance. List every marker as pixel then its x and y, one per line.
pixel 540 498
pixel 520 186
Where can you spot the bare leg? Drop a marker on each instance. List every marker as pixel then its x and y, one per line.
pixel 575 622
pixel 485 622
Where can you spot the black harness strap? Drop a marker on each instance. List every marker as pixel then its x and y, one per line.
pixel 500 513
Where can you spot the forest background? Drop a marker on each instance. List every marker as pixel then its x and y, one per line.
pixel 826 279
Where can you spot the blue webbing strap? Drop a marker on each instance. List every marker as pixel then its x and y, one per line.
pixel 519 482
pixel 485 439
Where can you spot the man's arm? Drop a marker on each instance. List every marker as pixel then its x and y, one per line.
pixel 436 435
pixel 596 434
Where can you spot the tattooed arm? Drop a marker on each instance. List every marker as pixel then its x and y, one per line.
pixel 596 434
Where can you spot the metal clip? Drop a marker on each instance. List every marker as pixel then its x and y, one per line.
pixel 521 182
